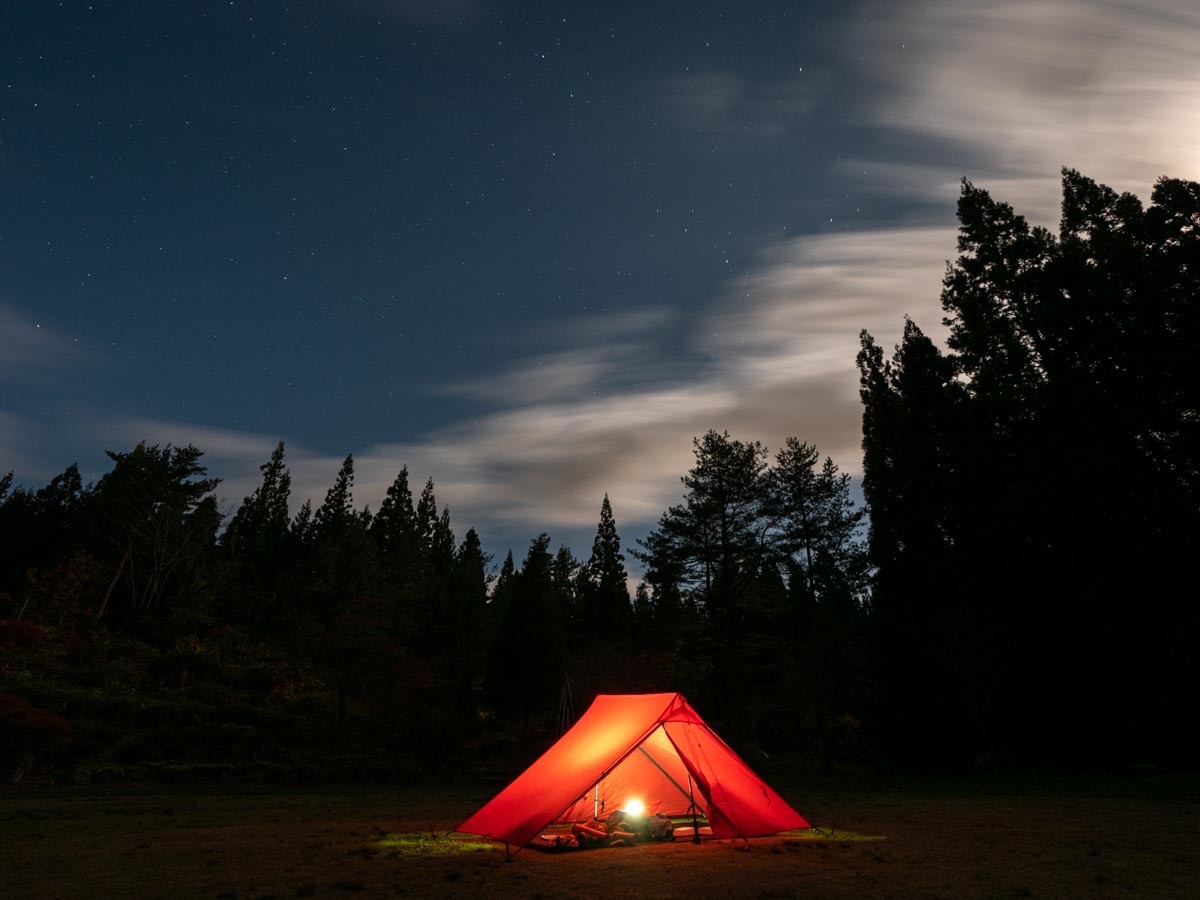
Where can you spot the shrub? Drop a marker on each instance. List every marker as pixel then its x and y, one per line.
pixel 26 729
pixel 17 634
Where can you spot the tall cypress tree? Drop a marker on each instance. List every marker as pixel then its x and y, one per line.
pixel 262 520
pixel 528 666
pixel 395 525
pixel 566 573
pixel 257 544
pixel 427 516
pixel 342 554
pixel 604 590
pixel 335 516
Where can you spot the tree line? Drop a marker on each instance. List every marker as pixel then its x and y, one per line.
pixel 378 632
pixel 1017 587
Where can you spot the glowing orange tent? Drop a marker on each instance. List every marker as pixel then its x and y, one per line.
pixel 650 747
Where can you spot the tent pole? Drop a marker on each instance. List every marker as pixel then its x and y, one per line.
pixel 665 773
pixel 695 818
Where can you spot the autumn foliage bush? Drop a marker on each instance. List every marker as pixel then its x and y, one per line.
pixel 26 729
pixel 20 635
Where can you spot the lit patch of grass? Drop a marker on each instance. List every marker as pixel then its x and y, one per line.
pixel 426 844
pixel 831 835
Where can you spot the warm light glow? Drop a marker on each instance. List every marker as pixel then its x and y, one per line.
pixel 634 807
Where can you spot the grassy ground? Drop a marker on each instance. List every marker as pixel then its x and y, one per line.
pixel 932 838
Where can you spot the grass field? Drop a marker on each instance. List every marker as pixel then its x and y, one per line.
pixel 1014 837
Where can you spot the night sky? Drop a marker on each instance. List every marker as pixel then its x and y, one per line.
pixel 529 250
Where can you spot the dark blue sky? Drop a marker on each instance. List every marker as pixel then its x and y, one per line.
pixel 528 250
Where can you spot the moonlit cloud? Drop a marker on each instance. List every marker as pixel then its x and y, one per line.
pixel 798 314
pixel 1019 89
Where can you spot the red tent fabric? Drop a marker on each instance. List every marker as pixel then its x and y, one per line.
pixel 651 747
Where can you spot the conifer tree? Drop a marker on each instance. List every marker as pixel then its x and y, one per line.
pixel 262 520
pixel 604 590
pixel 335 516
pixel 259 552
pixel 565 573
pixel 342 554
pixel 395 525
pixel 528 666
pixel 427 517
pixel 501 599
pixel 468 599
pixel 819 524
pixel 302 524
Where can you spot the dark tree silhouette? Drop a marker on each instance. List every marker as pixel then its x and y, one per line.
pixel 159 519
pixel 395 525
pixel 715 543
pixel 259 590
pixel 1033 493
pixel 261 523
pixel 531 653
pixel 603 582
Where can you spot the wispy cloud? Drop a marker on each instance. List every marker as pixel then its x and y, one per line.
pixel 18 438
pixel 33 350
pixel 600 354
pixel 562 375
pixel 725 104
pixel 641 323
